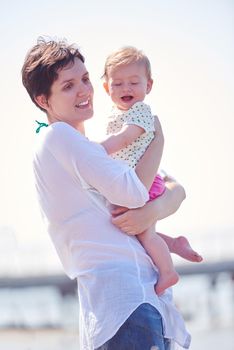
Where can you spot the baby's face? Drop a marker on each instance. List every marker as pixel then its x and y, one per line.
pixel 128 84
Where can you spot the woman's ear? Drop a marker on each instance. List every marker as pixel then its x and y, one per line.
pixel 149 85
pixel 106 87
pixel 42 101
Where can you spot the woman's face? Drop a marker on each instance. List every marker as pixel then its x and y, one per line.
pixel 71 98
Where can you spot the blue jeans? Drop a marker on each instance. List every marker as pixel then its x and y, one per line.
pixel 141 331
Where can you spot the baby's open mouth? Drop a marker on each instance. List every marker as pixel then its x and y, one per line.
pixel 126 98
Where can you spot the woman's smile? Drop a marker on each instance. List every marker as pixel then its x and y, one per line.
pixel 83 105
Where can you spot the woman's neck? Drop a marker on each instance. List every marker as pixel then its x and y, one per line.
pixel 78 126
pixel 81 128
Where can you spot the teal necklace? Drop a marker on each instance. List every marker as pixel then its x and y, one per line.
pixel 40 126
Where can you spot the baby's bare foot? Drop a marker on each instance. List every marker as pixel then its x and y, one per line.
pixel 182 248
pixel 165 281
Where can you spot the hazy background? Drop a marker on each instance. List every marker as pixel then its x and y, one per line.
pixel 190 46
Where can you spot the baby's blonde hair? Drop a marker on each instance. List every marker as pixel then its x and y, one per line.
pixel 125 56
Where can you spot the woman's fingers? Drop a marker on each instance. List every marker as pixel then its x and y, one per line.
pixel 125 223
pixel 118 210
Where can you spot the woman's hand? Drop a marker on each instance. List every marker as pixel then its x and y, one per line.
pixel 135 221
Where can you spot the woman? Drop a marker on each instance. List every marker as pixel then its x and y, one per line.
pixel 75 181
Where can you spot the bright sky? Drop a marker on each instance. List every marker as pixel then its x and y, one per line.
pixel 190 45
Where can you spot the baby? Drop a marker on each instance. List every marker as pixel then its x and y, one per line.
pixel 127 79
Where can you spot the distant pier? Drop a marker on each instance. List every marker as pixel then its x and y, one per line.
pixel 67 286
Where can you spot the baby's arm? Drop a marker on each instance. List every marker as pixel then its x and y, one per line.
pixel 122 139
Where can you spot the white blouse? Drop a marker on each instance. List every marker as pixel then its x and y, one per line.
pixel 75 179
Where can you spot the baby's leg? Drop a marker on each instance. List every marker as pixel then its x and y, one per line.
pixel 159 253
pixel 180 246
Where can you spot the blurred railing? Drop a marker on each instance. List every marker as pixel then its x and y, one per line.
pixel 67 286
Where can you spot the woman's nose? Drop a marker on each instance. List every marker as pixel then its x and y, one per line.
pixel 80 93
pixel 83 90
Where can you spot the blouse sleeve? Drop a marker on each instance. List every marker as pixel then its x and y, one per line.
pixel 113 179
pixel 140 114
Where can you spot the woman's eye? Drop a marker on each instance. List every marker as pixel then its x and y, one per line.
pixel 86 80
pixel 68 87
pixel 134 83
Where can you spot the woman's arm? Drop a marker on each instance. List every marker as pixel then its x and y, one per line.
pixel 88 160
pixel 135 221
pixel 148 165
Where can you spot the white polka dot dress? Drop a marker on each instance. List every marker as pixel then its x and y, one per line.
pixel 139 114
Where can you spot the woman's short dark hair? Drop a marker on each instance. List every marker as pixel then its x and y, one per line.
pixel 42 64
